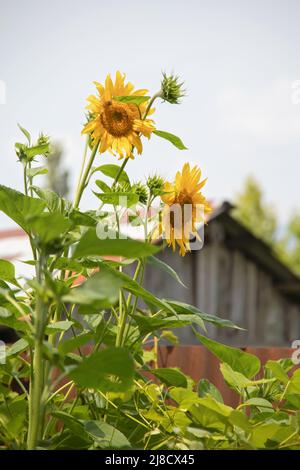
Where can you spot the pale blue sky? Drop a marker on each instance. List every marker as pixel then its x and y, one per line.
pixel 238 59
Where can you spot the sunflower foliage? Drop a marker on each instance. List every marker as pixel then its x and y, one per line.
pixel 84 372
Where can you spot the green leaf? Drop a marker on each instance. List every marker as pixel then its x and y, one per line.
pixel 238 381
pixel 277 371
pixel 82 219
pixel 112 171
pixel 70 422
pixel 25 132
pixel 7 318
pixel 13 416
pixel 70 345
pixel 91 245
pixel 99 291
pixel 18 347
pixel 132 286
pixel 50 226
pixel 150 324
pixel 58 327
pixel 294 384
pixel 109 370
pixel 32 152
pixel 258 402
pixel 205 387
pixel 105 435
pixel 40 170
pixel 239 419
pixel 171 138
pixel 181 307
pixel 138 100
pixel 158 263
pixel 103 186
pixel 240 361
pixel 52 199
pixel 7 271
pixel 120 198
pixel 19 207
pixel 172 377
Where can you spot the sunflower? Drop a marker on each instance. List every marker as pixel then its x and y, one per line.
pixel 117 125
pixel 185 207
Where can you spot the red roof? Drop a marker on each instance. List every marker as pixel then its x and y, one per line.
pixel 11 233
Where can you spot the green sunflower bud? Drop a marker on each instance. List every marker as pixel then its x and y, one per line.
pixel 121 187
pixel 171 89
pixel 155 184
pixel 141 191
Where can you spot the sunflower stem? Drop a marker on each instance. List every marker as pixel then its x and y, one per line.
pixel 120 171
pixel 82 183
pixel 157 95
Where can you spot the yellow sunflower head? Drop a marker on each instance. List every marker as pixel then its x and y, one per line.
pixel 184 208
pixel 118 125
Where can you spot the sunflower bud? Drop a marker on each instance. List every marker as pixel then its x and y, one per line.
pixel 171 89
pixel 121 187
pixel 155 184
pixel 141 191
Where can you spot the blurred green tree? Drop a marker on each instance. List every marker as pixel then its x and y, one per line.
pixel 255 213
pixel 261 219
pixel 57 176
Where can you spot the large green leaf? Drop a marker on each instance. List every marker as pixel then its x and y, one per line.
pixel 91 245
pixel 49 226
pixel 171 138
pixel 181 307
pixel 112 171
pixel 240 361
pixel 99 291
pixel 109 370
pixel 105 435
pixel 18 207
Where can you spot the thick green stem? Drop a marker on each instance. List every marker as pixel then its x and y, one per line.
pixel 38 367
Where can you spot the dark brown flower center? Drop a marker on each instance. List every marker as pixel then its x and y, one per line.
pixel 118 118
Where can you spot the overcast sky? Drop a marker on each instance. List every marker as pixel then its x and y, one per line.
pixel 239 60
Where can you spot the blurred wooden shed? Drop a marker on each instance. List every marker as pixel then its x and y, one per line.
pixel 236 276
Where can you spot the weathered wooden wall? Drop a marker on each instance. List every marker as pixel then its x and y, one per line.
pixel 221 280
